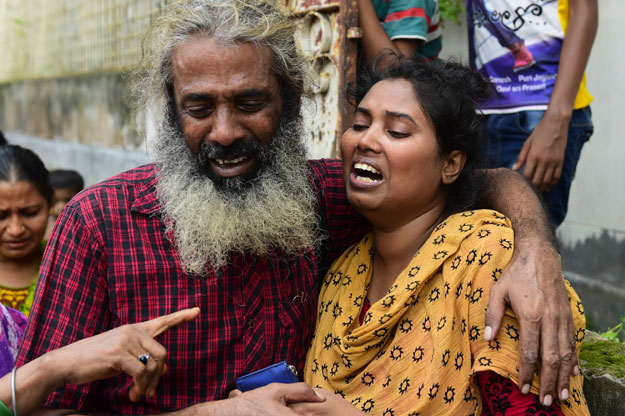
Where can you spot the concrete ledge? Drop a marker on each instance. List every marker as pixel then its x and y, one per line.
pixel 605 395
pixel 603 365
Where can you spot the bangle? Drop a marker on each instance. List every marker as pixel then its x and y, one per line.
pixel 13 401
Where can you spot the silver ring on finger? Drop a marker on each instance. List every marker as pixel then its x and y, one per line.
pixel 144 358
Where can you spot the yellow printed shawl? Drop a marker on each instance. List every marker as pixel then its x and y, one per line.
pixel 420 345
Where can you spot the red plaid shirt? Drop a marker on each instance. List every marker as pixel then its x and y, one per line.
pixel 109 264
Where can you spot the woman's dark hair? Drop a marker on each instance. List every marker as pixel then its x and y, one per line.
pixel 66 179
pixel 448 94
pixel 19 164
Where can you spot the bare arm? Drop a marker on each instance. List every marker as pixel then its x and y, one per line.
pixel 115 352
pixel 34 383
pixel 375 40
pixel 510 194
pixel 333 405
pixel 543 152
pixel 533 286
pixel 270 400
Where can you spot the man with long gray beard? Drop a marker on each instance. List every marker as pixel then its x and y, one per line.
pixel 233 219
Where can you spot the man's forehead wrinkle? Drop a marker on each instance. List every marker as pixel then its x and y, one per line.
pixel 197 49
pixel 193 72
pixel 237 87
pixel 247 93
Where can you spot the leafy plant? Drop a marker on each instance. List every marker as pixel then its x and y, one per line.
pixel 451 10
pixel 612 334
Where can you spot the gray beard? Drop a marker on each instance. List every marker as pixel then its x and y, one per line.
pixel 274 210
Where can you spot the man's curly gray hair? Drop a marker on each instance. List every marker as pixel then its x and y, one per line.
pixel 229 21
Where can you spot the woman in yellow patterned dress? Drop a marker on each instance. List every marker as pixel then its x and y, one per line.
pixel 25 196
pixel 400 327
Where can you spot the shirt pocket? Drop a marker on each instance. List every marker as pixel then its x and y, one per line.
pixel 145 292
pixel 298 292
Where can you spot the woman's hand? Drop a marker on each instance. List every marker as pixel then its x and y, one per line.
pixel 100 356
pixel 116 351
pixel 333 405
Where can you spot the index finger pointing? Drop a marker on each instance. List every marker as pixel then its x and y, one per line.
pixel 161 324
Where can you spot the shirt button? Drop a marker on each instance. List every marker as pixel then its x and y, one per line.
pixel 250 324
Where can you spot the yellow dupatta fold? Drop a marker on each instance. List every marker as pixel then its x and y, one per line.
pixel 419 346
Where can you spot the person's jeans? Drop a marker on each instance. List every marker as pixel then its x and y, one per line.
pixel 506 134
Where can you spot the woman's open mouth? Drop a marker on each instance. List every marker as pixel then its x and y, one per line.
pixel 365 175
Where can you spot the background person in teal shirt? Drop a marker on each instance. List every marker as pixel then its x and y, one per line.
pixel 409 27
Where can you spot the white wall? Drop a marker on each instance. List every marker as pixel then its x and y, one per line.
pixel 598 194
pixel 94 163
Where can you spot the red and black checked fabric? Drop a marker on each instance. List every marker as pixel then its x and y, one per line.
pixel 108 264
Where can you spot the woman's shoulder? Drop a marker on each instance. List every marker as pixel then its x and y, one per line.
pixel 358 253
pixel 356 250
pixel 469 222
pixel 481 235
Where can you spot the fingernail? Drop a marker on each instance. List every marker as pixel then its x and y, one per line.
pixel 514 167
pixel 547 400
pixel 576 370
pixel 525 389
pixel 488 333
pixel 565 394
pixel 319 395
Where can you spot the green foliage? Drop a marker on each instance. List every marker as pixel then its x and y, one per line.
pixel 451 10
pixel 603 357
pixel 612 334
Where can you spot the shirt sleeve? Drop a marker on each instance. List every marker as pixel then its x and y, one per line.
pixel 409 19
pixel 342 223
pixel 71 301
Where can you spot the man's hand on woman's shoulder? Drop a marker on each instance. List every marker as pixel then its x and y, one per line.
pixel 533 286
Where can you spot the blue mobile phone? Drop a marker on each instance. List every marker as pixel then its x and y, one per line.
pixel 277 373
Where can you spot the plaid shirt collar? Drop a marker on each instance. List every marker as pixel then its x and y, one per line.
pixel 147 202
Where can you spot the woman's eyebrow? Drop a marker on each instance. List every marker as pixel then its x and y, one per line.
pixel 400 115
pixel 362 110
